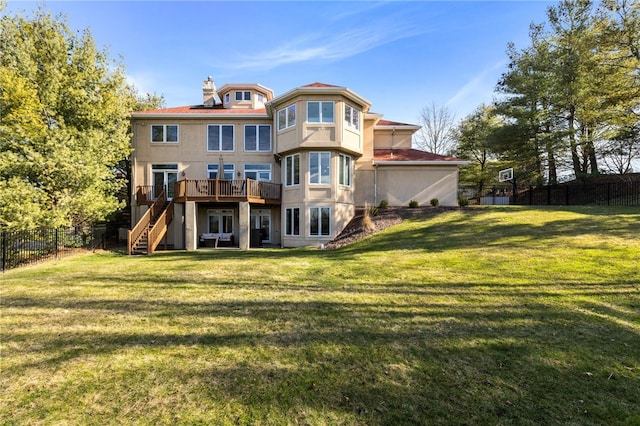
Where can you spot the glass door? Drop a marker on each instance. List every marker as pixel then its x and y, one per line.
pixel 164 176
pixel 261 219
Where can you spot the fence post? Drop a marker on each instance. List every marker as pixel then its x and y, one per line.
pixel 567 194
pixel 609 193
pixel 57 245
pixel 548 195
pixel 4 250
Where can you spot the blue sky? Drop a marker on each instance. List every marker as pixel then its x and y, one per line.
pixel 401 56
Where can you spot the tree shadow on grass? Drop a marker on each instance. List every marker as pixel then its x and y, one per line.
pixel 395 355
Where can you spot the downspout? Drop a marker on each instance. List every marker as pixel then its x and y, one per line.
pixel 133 178
pixel 375 184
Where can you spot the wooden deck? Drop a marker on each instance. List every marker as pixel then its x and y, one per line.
pixel 216 190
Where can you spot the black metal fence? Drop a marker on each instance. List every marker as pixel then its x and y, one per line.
pixel 608 194
pixel 21 248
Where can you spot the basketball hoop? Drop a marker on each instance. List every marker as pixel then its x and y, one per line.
pixel 505 175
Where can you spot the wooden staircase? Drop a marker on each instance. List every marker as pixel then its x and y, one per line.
pixel 151 228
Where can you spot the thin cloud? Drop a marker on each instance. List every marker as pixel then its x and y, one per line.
pixel 327 47
pixel 478 86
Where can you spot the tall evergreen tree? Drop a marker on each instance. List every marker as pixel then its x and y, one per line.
pixel 575 92
pixel 474 137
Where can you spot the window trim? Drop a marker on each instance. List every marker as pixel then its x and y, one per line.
pixel 319 164
pixel 228 168
pixel 290 220
pixel 243 95
pixel 345 170
pixel 321 232
pixel 291 178
pixel 258 171
pixel 287 123
pixel 257 127
pixel 350 123
pixel 221 214
pixel 164 133
pixel 320 116
pixel 233 138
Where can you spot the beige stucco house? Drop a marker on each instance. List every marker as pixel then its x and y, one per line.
pixel 247 168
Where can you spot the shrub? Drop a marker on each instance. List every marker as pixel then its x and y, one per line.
pixel 367 223
pixel 434 202
pixel 384 204
pixel 463 201
pixel 413 204
pixel 373 211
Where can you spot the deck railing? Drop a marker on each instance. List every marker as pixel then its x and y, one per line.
pixel 159 229
pixel 143 224
pixel 227 190
pixel 147 194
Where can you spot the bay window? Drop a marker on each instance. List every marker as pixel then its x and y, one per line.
pixel 287 117
pixel 320 167
pixel 344 170
pixel 319 221
pixel 319 112
pixel 292 222
pixel 292 170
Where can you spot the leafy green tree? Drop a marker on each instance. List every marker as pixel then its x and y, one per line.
pixel 64 124
pixel 474 137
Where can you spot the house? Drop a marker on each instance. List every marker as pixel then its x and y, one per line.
pixel 246 168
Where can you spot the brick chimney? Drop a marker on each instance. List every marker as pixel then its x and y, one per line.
pixel 209 93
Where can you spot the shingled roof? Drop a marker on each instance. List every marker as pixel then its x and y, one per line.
pixel 410 155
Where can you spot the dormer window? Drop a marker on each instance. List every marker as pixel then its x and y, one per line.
pixel 243 95
pixel 260 98
pixel 227 98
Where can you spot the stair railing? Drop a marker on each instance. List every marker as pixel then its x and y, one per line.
pixel 135 234
pixel 159 229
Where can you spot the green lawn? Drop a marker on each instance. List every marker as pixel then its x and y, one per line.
pixel 497 315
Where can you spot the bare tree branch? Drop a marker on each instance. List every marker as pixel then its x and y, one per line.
pixel 436 134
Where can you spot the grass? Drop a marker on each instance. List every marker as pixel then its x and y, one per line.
pixel 497 315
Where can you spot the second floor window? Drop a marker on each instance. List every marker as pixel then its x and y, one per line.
pixel 287 117
pixel 320 167
pixel 257 138
pixel 292 170
pixel 220 137
pixel 319 112
pixel 352 117
pixel 164 133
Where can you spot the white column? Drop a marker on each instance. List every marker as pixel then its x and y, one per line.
pixel 243 238
pixel 190 225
